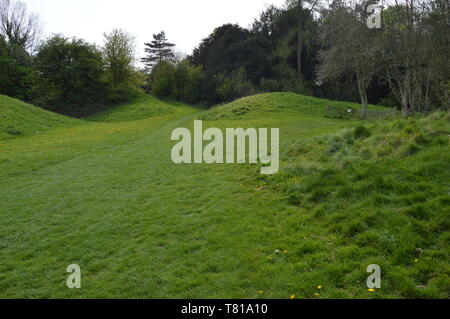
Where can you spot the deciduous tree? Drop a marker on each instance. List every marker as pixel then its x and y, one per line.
pixel 71 73
pixel 119 56
pixel 350 46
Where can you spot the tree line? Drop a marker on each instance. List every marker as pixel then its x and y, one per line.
pixel 64 75
pixel 322 48
pixel 325 49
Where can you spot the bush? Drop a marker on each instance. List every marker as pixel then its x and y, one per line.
pixel 234 86
pixel 189 82
pixel 70 79
pixel 387 101
pixel 15 77
pixel 269 85
pixel 125 90
pixel 163 80
pixel 180 81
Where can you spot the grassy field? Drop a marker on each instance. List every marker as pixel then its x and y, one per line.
pixel 103 193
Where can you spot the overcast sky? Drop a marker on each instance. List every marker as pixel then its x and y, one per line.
pixel 186 22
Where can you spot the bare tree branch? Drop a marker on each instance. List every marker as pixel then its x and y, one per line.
pixel 17 26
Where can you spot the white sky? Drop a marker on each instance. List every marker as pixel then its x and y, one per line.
pixel 186 22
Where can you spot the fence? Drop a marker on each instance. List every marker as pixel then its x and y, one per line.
pixel 349 113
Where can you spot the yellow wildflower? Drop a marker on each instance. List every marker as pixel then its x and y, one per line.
pixel 371 290
pixel 293 297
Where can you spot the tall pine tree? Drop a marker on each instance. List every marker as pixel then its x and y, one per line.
pixel 158 50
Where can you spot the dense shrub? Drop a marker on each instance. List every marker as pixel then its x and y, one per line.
pixel 162 81
pixel 125 90
pixel 180 81
pixel 70 79
pixel 234 86
pixel 15 77
pixel 190 81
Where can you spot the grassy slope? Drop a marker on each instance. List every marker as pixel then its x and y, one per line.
pixel 268 104
pixel 145 106
pixel 20 119
pixel 107 197
pixel 375 194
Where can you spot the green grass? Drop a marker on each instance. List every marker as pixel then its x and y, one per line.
pixel 104 194
pixel 269 104
pixel 145 106
pixel 21 119
pixel 381 192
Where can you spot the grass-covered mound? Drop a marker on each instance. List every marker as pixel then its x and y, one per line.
pixel 375 194
pixel 269 103
pixel 20 119
pixel 107 196
pixel 142 107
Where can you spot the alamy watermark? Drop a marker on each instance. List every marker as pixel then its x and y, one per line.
pixel 374 20
pixel 228 148
pixel 374 280
pixel 74 279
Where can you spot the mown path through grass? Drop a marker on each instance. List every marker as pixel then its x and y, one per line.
pixel 106 196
